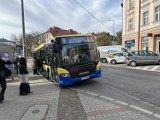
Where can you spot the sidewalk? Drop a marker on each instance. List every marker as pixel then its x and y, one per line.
pixel 50 102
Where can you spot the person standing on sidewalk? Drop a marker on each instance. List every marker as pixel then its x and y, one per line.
pixel 3 82
pixel 16 62
pixel 34 67
pixel 38 65
pixel 23 73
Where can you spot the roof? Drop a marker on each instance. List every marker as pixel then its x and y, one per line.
pixel 6 47
pixel 4 40
pixel 72 35
pixel 56 31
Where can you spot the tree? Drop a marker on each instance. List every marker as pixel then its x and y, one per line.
pixel 119 37
pixel 17 39
pixel 29 41
pixel 103 39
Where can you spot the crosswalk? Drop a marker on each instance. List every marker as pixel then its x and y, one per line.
pixel 155 68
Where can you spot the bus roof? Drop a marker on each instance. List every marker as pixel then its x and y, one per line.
pixel 72 35
pixel 40 46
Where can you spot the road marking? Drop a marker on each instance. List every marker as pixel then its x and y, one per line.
pixel 141 109
pixel 138 67
pixel 155 68
pixel 120 102
pixel 145 68
pixel 156 115
pixel 107 98
pixel 93 94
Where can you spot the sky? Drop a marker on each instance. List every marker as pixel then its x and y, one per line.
pixel 40 15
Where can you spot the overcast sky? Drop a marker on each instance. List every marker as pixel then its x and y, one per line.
pixel 66 14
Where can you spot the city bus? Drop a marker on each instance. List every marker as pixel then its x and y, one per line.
pixel 69 58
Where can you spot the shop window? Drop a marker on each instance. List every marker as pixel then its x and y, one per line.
pixel 145 41
pixel 157 13
pixel 145 18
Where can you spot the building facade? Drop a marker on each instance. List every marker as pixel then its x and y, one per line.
pixel 141 25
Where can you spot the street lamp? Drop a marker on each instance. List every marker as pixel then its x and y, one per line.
pixel 113 27
pixel 23 30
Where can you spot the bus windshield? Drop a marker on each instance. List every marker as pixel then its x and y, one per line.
pixel 79 53
pixel 78 50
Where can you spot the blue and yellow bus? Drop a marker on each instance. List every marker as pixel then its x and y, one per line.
pixel 69 58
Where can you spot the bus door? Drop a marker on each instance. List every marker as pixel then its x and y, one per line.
pixel 55 61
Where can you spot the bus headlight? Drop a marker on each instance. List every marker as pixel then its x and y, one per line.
pixel 65 75
pixel 98 68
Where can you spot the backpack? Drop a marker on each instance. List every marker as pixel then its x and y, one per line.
pixel 24 88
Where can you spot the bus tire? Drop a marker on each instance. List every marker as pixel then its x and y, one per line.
pixel 48 75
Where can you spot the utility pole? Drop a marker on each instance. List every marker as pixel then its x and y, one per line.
pixel 23 30
pixel 113 27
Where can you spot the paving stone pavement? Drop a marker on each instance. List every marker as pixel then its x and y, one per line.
pixel 62 104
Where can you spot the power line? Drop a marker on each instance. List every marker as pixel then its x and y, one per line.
pixel 92 15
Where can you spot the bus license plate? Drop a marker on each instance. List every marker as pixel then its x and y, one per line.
pixel 84 78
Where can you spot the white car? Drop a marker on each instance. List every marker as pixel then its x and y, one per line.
pixel 117 57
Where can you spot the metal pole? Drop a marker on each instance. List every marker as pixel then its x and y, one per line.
pixel 23 30
pixel 113 29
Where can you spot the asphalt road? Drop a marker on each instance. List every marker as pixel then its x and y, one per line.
pixel 137 87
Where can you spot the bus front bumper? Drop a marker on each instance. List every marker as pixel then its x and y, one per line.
pixel 65 81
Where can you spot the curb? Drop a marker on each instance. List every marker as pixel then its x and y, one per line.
pixel 122 103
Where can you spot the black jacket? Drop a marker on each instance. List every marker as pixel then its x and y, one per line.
pixel 2 64
pixel 23 69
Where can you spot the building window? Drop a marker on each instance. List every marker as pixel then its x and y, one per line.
pixel 157 13
pixel 145 18
pixel 130 4
pixel 130 24
pixel 145 41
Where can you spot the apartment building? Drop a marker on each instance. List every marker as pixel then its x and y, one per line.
pixel 141 25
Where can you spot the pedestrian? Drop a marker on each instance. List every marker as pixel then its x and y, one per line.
pixel 16 64
pixel 23 73
pixel 38 65
pixel 3 82
pixel 34 66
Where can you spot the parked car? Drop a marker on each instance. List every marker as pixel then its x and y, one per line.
pixel 105 51
pixel 142 57
pixel 117 57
